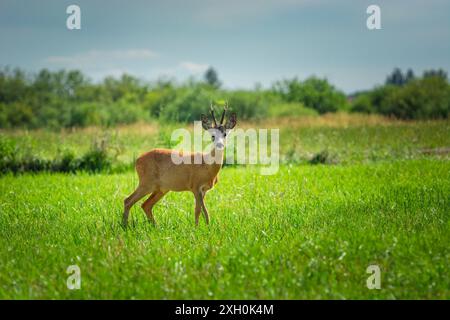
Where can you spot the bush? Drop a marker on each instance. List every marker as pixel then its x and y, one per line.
pixel 67 163
pixel 363 103
pixel 188 105
pixel 323 157
pixel 248 104
pixel 158 98
pixel 425 98
pixel 125 112
pixel 96 160
pixel 314 93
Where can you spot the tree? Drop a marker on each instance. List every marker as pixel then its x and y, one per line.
pixel 212 78
pixel 409 76
pixel 396 78
pixel 435 73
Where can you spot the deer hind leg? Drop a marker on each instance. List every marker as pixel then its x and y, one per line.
pixel 138 194
pixel 147 206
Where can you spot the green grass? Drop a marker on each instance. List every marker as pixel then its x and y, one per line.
pixel 306 232
pixel 349 139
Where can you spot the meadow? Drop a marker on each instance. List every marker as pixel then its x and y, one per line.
pixel 347 138
pixel 307 232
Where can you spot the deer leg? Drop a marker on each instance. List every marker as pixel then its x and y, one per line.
pixel 131 200
pixel 147 206
pixel 198 208
pixel 205 211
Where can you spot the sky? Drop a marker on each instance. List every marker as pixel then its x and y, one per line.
pixel 249 42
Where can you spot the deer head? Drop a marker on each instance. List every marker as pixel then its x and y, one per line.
pixel 219 130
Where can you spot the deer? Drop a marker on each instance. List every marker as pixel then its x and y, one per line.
pixel 158 174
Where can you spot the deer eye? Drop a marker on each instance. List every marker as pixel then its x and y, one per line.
pixel 213 137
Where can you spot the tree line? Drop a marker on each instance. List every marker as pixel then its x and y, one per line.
pixel 63 99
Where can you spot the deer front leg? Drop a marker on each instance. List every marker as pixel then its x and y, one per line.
pixel 198 208
pixel 205 211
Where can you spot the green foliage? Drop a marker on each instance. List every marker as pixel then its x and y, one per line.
pixel 421 98
pixel 193 100
pixel 248 104
pixel 190 102
pixel 363 103
pixel 428 98
pixel 66 99
pixel 314 93
pixel 436 73
pixel 95 160
pixel 352 138
pixel 162 94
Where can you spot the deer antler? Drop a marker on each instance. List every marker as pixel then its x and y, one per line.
pixel 225 108
pixel 212 113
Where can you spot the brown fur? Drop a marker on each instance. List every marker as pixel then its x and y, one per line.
pixel 159 175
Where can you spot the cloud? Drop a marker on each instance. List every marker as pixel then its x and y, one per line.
pixel 101 58
pixel 195 68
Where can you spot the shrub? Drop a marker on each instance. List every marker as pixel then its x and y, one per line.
pixel 248 104
pixel 363 103
pixel 188 105
pixel 427 98
pixel 314 93
pixel 423 98
pixel 96 160
pixel 323 157
pixel 125 112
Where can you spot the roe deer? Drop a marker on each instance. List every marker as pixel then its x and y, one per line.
pixel 158 174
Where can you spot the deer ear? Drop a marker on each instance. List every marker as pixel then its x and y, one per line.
pixel 231 123
pixel 206 124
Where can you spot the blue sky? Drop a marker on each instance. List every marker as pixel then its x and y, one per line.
pixel 247 41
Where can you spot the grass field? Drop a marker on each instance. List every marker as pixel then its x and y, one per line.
pixel 306 232
pixel 349 139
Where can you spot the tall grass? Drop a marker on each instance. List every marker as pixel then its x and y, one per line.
pixel 307 232
pixel 348 139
